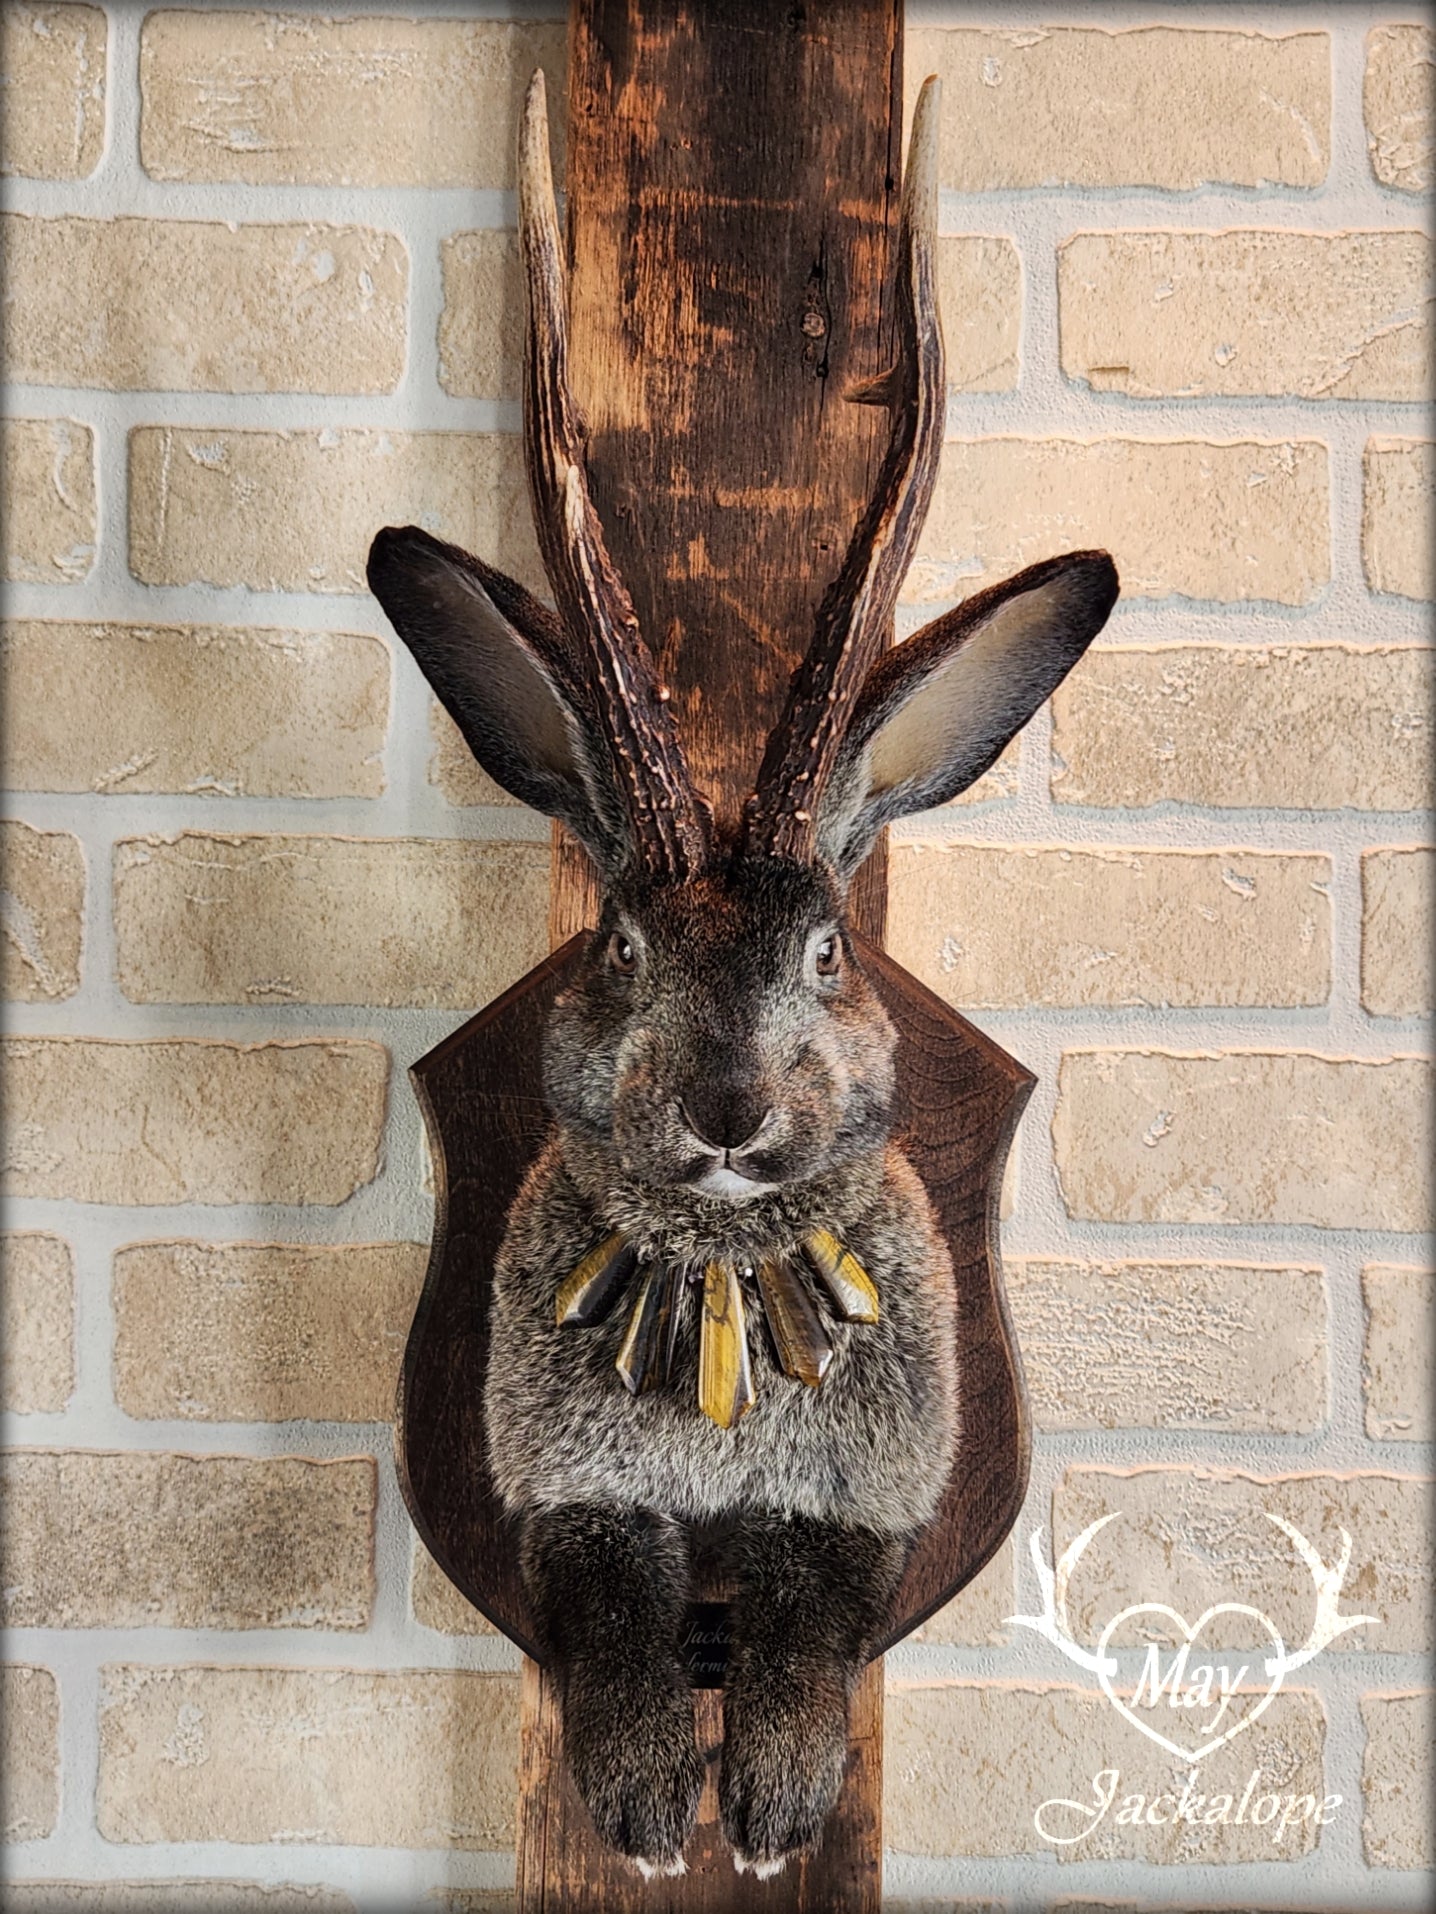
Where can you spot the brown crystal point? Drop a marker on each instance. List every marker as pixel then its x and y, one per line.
pixel 587 1295
pixel 853 1291
pixel 725 1376
pixel 802 1344
pixel 640 1354
pixel 673 1317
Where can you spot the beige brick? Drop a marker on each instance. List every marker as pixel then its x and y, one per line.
pixel 186 1121
pixel 1334 1811
pixel 426 922
pixel 1195 1537
pixel 296 511
pixel 1245 1136
pixel 47 500
pixel 139 1540
pixel 438 1604
pixel 1085 106
pixel 37 1322
pixel 291 99
pixel 1396 98
pixel 1396 1779
pixel 979 286
pixel 1398 891
pixel 1227 1346
pixel 1261 533
pixel 183 305
pixel 52 71
pixel 1399 1369
pixel 263 1332
pixel 481 329
pixel 29 1753
pixel 1019 925
pixel 171 1897
pixel 928 1904
pixel 42 907
pixel 208 710
pixel 977 1618
pixel 453 769
pixel 1270 312
pixel 1289 727
pixel 943 1793
pixel 1400 492
pixel 403 1759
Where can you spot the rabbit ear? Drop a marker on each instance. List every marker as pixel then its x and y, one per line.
pixel 500 664
pixel 936 712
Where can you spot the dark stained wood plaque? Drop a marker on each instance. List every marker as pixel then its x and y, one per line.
pixel 960 1098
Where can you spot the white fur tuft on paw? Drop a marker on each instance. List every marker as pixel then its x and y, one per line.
pixel 764 1870
pixel 659 1870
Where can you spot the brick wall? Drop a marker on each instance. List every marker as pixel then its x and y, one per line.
pixel 260 298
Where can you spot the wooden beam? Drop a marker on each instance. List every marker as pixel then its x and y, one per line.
pixel 732 195
pixel 732 191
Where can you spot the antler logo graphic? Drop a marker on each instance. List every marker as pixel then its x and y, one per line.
pixel 1179 1682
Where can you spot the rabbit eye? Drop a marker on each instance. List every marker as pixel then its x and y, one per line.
pixel 829 956
pixel 622 957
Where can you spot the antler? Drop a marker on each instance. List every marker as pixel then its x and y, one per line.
pixel 1328 1622
pixel 670 820
pixel 858 606
pixel 1052 1623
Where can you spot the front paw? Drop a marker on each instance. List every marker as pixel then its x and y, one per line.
pixel 784 1751
pixel 638 1769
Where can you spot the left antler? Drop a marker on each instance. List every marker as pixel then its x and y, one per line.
pixel 857 609
pixel 670 820
pixel 1052 1623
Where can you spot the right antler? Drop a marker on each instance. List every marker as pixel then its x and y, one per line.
pixel 671 823
pixel 857 609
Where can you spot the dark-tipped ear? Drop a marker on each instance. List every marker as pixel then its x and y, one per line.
pixel 500 664
pixel 936 712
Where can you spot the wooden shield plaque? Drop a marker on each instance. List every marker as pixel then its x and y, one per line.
pixel 960 1096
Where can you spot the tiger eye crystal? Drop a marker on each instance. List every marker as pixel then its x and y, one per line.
pixel 645 1353
pixel 853 1291
pixel 798 1334
pixel 589 1293
pixel 725 1376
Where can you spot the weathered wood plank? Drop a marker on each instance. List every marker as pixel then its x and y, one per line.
pixel 731 193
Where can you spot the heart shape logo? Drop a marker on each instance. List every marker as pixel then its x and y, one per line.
pixel 1175 1669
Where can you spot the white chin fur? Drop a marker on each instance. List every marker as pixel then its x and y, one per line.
pixel 659 1870
pixel 765 1870
pixel 721 1181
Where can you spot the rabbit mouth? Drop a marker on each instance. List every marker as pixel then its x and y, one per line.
pixel 719 1179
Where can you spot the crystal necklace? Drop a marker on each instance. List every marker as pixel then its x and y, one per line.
pixel 725 1378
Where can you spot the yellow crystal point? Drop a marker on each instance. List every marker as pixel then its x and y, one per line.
pixel 587 1295
pixel 803 1347
pixel 853 1291
pixel 725 1377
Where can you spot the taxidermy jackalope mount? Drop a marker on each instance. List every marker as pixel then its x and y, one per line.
pixel 723 1314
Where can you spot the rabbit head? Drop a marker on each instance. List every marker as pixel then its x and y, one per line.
pixel 720 1036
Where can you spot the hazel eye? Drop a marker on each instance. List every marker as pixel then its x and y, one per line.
pixel 828 957
pixel 622 957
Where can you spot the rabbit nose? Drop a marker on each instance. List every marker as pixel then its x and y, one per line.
pixel 724 1119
